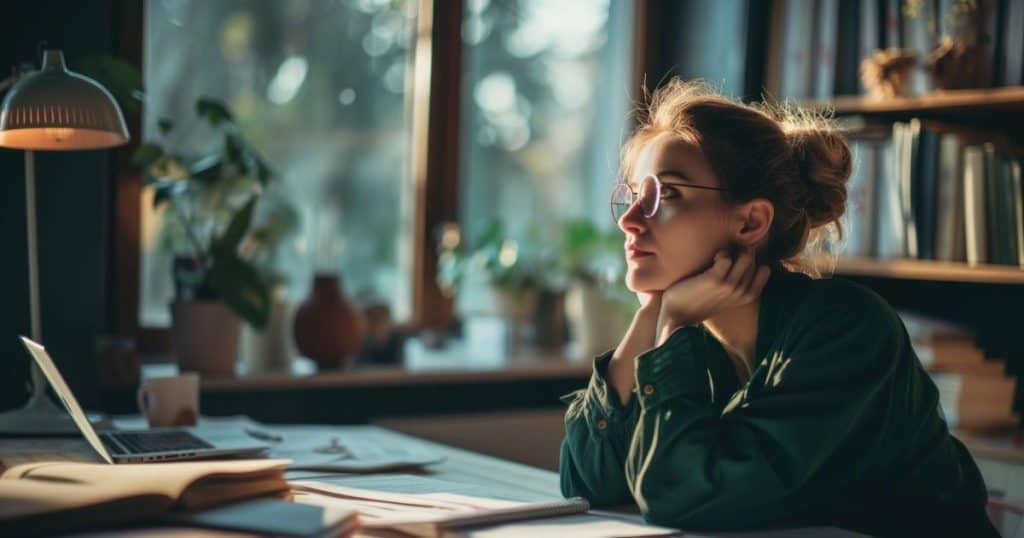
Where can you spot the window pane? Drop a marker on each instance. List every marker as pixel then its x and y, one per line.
pixel 319 89
pixel 544 105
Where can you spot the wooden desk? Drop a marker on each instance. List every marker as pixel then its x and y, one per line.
pixel 511 479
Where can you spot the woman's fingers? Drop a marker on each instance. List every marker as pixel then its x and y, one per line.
pixel 759 280
pixel 738 273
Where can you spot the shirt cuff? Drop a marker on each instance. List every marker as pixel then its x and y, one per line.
pixel 677 368
pixel 604 412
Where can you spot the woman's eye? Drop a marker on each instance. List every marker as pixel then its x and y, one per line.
pixel 669 193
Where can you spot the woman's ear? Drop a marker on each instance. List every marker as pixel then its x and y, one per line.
pixel 753 222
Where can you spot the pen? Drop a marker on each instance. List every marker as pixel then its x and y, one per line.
pixel 264 436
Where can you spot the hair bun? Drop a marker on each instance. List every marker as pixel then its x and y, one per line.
pixel 824 163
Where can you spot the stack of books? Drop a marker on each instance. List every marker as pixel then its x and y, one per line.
pixel 935 192
pixel 975 393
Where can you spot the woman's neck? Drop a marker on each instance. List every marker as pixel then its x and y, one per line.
pixel 736 329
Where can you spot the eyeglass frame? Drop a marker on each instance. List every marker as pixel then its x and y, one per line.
pixel 635 197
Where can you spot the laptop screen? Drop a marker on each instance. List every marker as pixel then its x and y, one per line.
pixel 56 380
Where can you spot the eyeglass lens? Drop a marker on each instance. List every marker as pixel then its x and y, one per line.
pixel 623 197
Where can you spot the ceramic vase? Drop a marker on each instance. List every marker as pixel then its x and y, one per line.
pixel 328 329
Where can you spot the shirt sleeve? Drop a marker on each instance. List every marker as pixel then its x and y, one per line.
pixel 792 436
pixel 597 430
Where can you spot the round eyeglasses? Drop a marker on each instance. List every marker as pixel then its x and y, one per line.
pixel 649 194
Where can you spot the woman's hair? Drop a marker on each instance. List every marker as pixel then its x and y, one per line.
pixel 794 158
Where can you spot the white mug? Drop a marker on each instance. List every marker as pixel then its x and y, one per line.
pixel 170 401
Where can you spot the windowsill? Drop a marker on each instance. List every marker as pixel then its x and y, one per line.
pixel 450 370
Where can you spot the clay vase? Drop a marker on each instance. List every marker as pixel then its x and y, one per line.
pixel 328 329
pixel 205 337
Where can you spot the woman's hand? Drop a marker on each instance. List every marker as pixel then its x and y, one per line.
pixel 649 299
pixel 726 284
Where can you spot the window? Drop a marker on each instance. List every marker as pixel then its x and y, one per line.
pixel 544 106
pixel 319 88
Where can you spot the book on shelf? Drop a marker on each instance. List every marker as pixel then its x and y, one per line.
pixel 949 211
pixel 940 192
pixel 826 30
pixel 860 224
pixel 1013 44
pixel 976 234
pixel 59 496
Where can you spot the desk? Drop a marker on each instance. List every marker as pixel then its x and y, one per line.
pixel 509 478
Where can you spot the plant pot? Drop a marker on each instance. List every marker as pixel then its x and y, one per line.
pixel 272 350
pixel 596 322
pixel 328 329
pixel 205 336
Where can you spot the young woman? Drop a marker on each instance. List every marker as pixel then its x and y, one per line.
pixel 748 393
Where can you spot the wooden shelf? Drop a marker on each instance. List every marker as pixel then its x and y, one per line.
pixel 1010 98
pixel 930 270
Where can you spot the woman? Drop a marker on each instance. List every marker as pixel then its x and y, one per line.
pixel 747 393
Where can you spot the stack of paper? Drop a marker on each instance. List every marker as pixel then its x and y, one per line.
pixel 428 507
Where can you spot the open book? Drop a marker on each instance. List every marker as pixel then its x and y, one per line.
pixel 47 497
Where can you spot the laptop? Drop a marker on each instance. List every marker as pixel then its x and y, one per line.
pixel 135 446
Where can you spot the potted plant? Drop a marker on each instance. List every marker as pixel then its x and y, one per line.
pixel 491 278
pixel 597 304
pixel 210 201
pixel 491 275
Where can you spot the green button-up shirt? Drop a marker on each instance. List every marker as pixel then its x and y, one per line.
pixel 838 425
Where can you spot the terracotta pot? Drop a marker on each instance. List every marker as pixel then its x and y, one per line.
pixel 327 328
pixel 205 336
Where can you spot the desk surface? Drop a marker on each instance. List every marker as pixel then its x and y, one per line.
pixel 504 477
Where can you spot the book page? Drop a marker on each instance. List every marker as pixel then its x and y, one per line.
pixel 169 479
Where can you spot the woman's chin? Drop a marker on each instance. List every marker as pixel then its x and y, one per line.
pixel 637 282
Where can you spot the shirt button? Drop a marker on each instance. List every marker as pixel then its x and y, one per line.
pixel 602 424
pixel 648 389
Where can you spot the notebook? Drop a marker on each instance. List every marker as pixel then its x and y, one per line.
pixel 50 497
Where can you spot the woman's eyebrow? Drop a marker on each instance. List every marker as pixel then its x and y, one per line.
pixel 675 174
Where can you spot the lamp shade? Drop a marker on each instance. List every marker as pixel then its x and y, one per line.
pixel 57 109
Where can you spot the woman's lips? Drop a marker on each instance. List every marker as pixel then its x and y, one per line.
pixel 633 252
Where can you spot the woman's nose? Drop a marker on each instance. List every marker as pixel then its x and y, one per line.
pixel 633 220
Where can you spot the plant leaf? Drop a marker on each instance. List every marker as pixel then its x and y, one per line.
pixel 207 169
pixel 167 190
pixel 213 110
pixel 146 154
pixel 232 236
pixel 165 125
pixel 238 283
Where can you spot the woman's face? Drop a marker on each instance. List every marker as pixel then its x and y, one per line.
pixel 691 224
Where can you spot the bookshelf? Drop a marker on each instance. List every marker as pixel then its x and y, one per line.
pixel 929 270
pixel 985 298
pixel 973 101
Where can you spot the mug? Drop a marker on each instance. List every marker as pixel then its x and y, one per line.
pixel 170 401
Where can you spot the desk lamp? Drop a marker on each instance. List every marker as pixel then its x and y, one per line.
pixel 52 109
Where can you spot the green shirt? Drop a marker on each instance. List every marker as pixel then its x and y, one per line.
pixel 838 425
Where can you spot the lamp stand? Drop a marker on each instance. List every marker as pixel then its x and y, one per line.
pixel 39 414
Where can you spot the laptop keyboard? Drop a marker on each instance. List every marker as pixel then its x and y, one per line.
pixel 145 442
